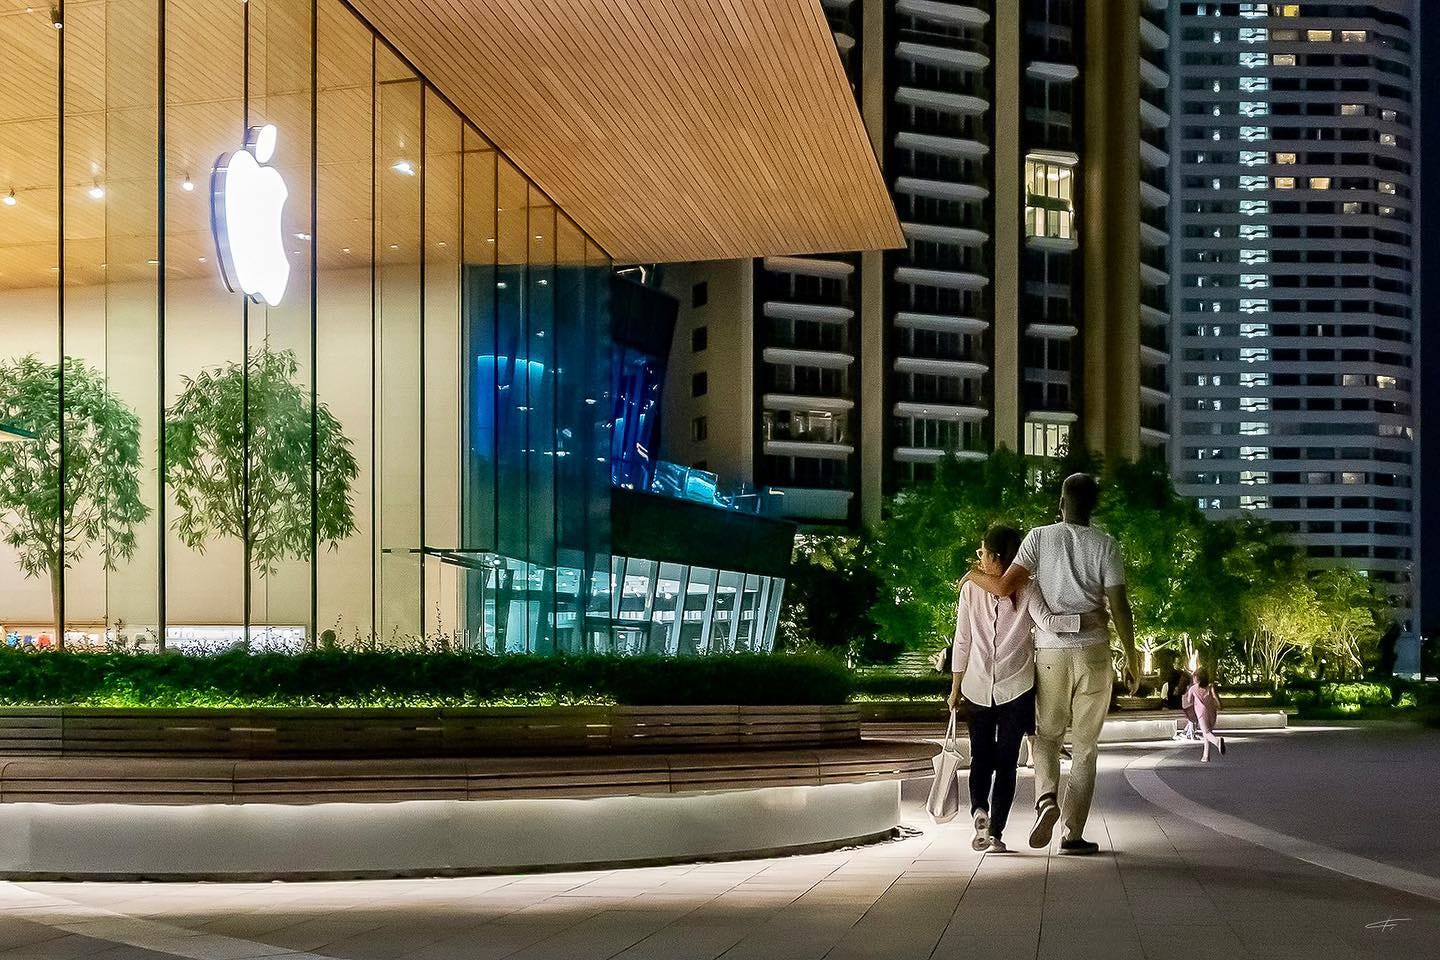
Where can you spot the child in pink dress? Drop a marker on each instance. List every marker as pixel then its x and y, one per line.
pixel 1202 705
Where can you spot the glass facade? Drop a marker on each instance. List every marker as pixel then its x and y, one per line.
pixel 291 354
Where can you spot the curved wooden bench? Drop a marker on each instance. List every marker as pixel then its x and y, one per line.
pixel 338 732
pixel 192 781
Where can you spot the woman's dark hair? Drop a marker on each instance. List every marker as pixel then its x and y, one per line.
pixel 1202 677
pixel 1004 542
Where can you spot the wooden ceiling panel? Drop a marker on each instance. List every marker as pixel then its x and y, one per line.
pixel 669 129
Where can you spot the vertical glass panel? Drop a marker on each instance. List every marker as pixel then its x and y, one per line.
pixel 699 611
pixel 572 419
pixel 665 613
pixel 290 442
pixel 727 611
pixel 344 319
pixel 441 404
pixel 540 418
pixel 772 619
pixel 29 323
pixel 204 329
pixel 398 161
pixel 637 598
pixel 594 442
pixel 515 376
pixel 749 601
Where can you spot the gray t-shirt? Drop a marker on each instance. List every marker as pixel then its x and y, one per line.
pixel 1073 566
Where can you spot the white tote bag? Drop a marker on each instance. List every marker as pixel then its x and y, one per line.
pixel 944 802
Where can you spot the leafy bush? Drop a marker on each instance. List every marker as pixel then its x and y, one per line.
pixel 890 686
pixel 386 679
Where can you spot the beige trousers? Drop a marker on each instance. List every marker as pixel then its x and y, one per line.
pixel 1072 689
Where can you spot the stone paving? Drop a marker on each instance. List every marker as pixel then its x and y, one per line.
pixel 1162 887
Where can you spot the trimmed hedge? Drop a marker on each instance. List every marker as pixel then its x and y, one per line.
pixel 889 686
pixel 393 679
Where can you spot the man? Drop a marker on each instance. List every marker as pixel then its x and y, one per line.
pixel 1078 569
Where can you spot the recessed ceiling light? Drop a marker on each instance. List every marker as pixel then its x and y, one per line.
pixel 187 184
pixel 10 200
pixel 344 249
pixel 153 262
pixel 96 192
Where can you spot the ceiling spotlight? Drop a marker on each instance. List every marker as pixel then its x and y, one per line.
pixel 10 200
pixel 96 191
pixel 403 166
pixel 187 184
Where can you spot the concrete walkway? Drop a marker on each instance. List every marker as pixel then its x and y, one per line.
pixel 1164 885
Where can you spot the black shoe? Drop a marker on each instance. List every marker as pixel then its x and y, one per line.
pixel 1078 848
pixel 1047 813
pixel 1222 746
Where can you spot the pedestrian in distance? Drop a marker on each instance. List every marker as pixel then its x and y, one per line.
pixel 1202 704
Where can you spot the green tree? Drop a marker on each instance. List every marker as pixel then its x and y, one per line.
pixel 828 597
pixel 1355 618
pixel 101 457
pixel 1286 619
pixel 205 461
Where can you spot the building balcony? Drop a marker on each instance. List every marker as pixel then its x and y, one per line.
pixel 947 58
pixel 844 43
pixel 1152 116
pixel 959 236
pixel 1152 196
pixel 1152 36
pixel 1153 275
pixel 1054 72
pixel 939 189
pixel 939 146
pixel 931 455
pixel 1152 395
pixel 797 403
pixel 1152 156
pixel 809 503
pixel 960 104
pixel 949 14
pixel 820 313
pixel 809 266
pixel 1152 317
pixel 1153 76
pixel 941 367
pixel 1153 236
pixel 913 409
pixel 946 279
pixel 1151 354
pixel 820 450
pixel 1154 436
pixel 1052 331
pixel 795 357
pixel 940 323
pixel 1053 244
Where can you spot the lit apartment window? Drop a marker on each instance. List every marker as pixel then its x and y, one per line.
pixel 1254 453
pixel 1049 198
pixel 1387 115
pixel 1387 139
pixel 1254 158
pixel 1354 36
pixel 1385 186
pixel 1254 404
pixel 1252 478
pixel 1284 183
pixel 1251 134
pixel 1254 429
pixel 1352 478
pixel 1250 183
pixel 1287 9
pixel 1046 439
pixel 1319 183
pixel 1284 158
pixel 1284 35
pixel 1254 503
pixel 1255 355
pixel 1352 380
pixel 1320 36
pixel 1352 110
pixel 1251 330
pixel 1254 379
pixel 1350 206
pixel 699 429
pixel 1387 211
pixel 1386 383
pixel 1283 59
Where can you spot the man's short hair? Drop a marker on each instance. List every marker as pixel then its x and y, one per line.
pixel 1082 493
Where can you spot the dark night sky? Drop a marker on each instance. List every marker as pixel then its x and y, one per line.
pixel 1430 316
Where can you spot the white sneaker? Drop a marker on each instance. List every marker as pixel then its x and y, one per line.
pixel 981 840
pixel 998 846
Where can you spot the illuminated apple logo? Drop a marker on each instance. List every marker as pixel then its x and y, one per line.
pixel 247 198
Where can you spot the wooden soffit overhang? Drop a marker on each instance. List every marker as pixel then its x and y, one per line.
pixel 669 130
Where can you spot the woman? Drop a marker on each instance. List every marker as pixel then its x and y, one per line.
pixel 993 664
pixel 1201 704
